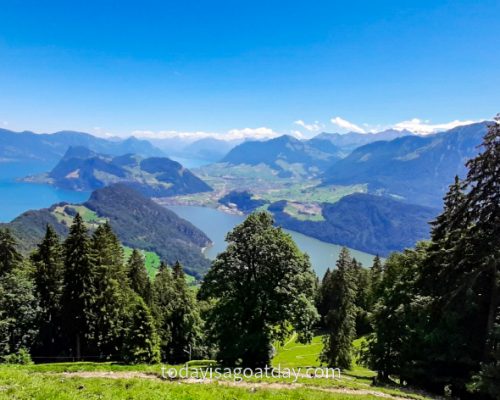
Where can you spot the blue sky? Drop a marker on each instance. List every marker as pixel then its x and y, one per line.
pixel 155 68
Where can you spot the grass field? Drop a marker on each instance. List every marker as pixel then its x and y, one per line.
pixel 114 381
pixel 152 262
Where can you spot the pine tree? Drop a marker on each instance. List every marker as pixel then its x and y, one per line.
pixel 141 341
pixel 110 286
pixel 324 297
pixel 393 347
pixel 341 317
pixel 9 256
pixel 461 274
pixel 48 261
pixel 363 299
pixel 138 276
pixel 376 275
pixel 163 299
pixel 185 320
pixel 79 288
pixel 483 214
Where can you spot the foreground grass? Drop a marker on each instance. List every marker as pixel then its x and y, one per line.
pixel 85 380
pixel 16 383
pixel 62 381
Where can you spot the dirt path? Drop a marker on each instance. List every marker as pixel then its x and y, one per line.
pixel 249 385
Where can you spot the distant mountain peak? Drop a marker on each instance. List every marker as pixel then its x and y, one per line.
pixel 83 169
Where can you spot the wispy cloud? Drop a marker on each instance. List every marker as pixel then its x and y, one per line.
pixel 314 127
pixel 98 131
pixel 233 134
pixel 424 127
pixel 349 126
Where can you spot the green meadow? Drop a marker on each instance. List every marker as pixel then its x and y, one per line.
pixel 86 380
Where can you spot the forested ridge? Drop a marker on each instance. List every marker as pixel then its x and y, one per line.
pixel 431 314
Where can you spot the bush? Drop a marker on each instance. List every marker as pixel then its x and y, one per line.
pixel 22 357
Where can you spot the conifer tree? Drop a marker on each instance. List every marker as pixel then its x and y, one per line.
pixel 363 298
pixel 461 274
pixel 483 215
pixel 341 317
pixel 79 288
pixel 324 297
pixel 9 256
pixel 138 276
pixel 48 262
pixel 185 320
pixel 141 341
pixel 376 274
pixel 111 286
pixel 163 300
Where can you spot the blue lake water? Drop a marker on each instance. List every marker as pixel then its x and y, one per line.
pixel 17 197
pixel 216 224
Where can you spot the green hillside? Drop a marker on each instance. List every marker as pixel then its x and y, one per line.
pixel 138 222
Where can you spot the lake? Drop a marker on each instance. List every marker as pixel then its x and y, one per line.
pixel 17 197
pixel 216 224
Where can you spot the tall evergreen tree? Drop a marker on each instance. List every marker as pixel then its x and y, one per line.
pixel 111 287
pixel 483 215
pixel 48 262
pixel 141 341
pixel 375 276
pixel 363 298
pixel 138 276
pixel 163 299
pixel 9 256
pixel 185 320
pixel 324 299
pixel 261 285
pixel 461 274
pixel 393 345
pixel 341 317
pixel 79 288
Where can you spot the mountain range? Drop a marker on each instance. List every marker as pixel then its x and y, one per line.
pixel 286 154
pixel 347 142
pixel 83 169
pixel 49 148
pixel 417 169
pixel 138 222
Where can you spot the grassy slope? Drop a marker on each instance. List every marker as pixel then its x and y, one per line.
pixel 65 381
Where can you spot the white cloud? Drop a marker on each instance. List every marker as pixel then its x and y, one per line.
pixel 314 127
pixel 233 134
pixel 349 126
pixel 424 127
pixel 98 131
